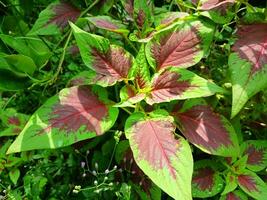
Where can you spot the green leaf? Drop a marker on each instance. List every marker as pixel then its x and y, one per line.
pixel 236 195
pixel 33 47
pixel 20 64
pixel 14 175
pixel 165 160
pixel 75 114
pixel 230 183
pixel 10 81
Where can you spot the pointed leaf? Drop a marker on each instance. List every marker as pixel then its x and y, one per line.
pixel 206 129
pixel 257 154
pixel 165 160
pixel 140 70
pixel 215 4
pixel 250 183
pixel 54 18
pixel 75 114
pixel 236 195
pixel 14 175
pixel 90 77
pixel 230 183
pixel 248 64
pixel 182 46
pixel 206 182
pixel 107 23
pixel 110 61
pixel 143 14
pixel 33 47
pixel 175 83
pixel 166 19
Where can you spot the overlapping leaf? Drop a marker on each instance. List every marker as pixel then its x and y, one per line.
pixel 140 70
pixel 206 181
pixel 110 62
pixel 182 46
pixel 257 154
pixel 54 18
pixel 75 114
pixel 166 19
pixel 248 64
pixel 206 129
pixel 175 83
pixel 107 23
pixel 253 185
pixel 165 160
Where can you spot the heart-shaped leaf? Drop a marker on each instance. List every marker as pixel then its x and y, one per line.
pixel 206 181
pixel 206 129
pixel 175 83
pixel 165 160
pixel 248 64
pixel 253 185
pixel 182 46
pixel 54 18
pixel 257 154
pixel 75 114
pixel 111 62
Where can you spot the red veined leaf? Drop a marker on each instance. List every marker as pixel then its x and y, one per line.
pixel 75 114
pixel 143 13
pixel 110 62
pixel 257 154
pixel 128 6
pixel 206 182
pixel 253 185
pixel 230 183
pixel 181 46
pixel 90 77
pixel 248 61
pixel 166 19
pixel 215 4
pixel 106 22
pixel 55 18
pixel 175 83
pixel 165 160
pixel 236 195
pixel 206 129
pixel 141 183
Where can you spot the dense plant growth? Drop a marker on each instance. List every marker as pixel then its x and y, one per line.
pixel 133 99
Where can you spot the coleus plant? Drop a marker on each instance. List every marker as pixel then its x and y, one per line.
pixel 157 73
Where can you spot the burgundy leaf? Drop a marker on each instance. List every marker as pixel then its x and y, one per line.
pixel 105 24
pixel 248 182
pixel 177 48
pixel 167 85
pixel 113 63
pixel 141 17
pixel 255 156
pixel 252 45
pixel 216 4
pixel 80 107
pixel 129 7
pixel 64 12
pixel 14 121
pixel 232 196
pixel 156 135
pixel 204 128
pixel 204 178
